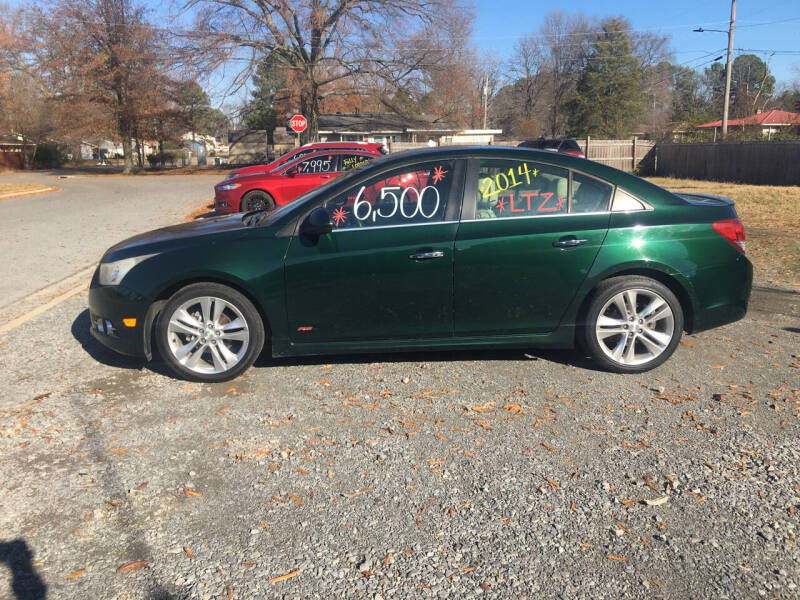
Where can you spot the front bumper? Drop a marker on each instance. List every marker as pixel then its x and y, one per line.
pixel 226 201
pixel 108 306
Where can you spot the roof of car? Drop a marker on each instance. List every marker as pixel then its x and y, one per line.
pixel 275 171
pixel 631 182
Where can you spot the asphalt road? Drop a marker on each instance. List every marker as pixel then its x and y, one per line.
pixel 433 475
pixel 45 238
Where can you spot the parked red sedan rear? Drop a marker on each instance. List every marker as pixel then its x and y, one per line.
pixel 265 191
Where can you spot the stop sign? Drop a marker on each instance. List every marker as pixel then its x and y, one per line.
pixel 298 123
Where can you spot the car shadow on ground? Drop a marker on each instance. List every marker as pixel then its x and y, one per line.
pixel 205 212
pixel 572 358
pixel 25 581
pixel 80 331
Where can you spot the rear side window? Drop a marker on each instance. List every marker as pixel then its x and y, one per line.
pixel 512 188
pixel 589 194
pixel 352 161
pixel 625 202
pixel 570 146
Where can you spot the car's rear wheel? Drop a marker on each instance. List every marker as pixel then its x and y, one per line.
pixel 257 200
pixel 209 332
pixel 633 324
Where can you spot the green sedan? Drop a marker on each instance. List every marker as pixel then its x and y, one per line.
pixel 433 249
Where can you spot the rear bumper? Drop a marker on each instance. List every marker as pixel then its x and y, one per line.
pixel 723 293
pixel 108 306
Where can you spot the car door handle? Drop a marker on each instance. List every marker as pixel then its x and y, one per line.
pixel 426 255
pixel 325 176
pixel 569 242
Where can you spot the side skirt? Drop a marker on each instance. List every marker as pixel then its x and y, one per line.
pixel 563 337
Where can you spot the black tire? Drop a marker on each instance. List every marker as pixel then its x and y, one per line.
pixel 253 325
pixel 256 200
pixel 603 295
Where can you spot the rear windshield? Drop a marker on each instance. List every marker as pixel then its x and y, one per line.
pixel 541 144
pixel 570 145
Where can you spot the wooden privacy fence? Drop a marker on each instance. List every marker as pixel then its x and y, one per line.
pixel 774 163
pixel 627 155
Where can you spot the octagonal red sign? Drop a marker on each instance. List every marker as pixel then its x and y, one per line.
pixel 298 123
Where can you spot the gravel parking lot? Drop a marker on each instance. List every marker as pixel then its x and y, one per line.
pixel 436 475
pixel 470 474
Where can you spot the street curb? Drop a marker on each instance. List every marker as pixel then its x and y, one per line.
pixel 46 298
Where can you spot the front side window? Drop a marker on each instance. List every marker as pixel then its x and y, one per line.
pixel 414 194
pixel 286 159
pixel 512 188
pixel 326 163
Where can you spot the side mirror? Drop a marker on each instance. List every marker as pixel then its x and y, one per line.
pixel 292 172
pixel 317 222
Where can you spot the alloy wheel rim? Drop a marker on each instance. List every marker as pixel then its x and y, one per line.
pixel 208 335
pixel 257 203
pixel 635 327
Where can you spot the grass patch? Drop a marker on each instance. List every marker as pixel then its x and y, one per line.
pixel 21 188
pixel 771 217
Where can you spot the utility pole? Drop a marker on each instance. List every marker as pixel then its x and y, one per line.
pixel 485 99
pixel 728 66
pixel 728 72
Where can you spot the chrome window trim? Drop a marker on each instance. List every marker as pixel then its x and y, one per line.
pixel 394 226
pixel 603 212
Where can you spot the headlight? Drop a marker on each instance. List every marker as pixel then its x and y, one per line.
pixel 113 272
pixel 229 186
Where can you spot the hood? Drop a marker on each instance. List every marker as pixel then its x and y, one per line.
pixel 247 177
pixel 251 170
pixel 161 239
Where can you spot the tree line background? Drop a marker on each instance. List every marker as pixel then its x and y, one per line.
pixel 70 69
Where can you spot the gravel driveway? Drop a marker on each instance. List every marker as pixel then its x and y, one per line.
pixel 459 475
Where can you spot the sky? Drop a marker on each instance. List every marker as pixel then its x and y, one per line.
pixel 499 23
pixel 768 28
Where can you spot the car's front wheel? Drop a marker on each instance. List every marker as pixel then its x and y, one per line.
pixel 209 332
pixel 257 200
pixel 633 324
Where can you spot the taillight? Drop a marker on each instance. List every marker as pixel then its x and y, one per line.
pixel 733 231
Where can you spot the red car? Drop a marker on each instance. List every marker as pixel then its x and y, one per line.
pixel 564 145
pixel 305 151
pixel 265 191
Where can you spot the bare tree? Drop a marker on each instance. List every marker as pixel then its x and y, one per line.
pixel 528 67
pixel 100 58
pixel 566 40
pixel 319 43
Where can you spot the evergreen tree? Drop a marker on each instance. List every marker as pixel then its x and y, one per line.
pixel 689 103
pixel 608 100
pixel 260 111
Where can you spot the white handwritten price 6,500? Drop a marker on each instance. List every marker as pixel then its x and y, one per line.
pixel 363 210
